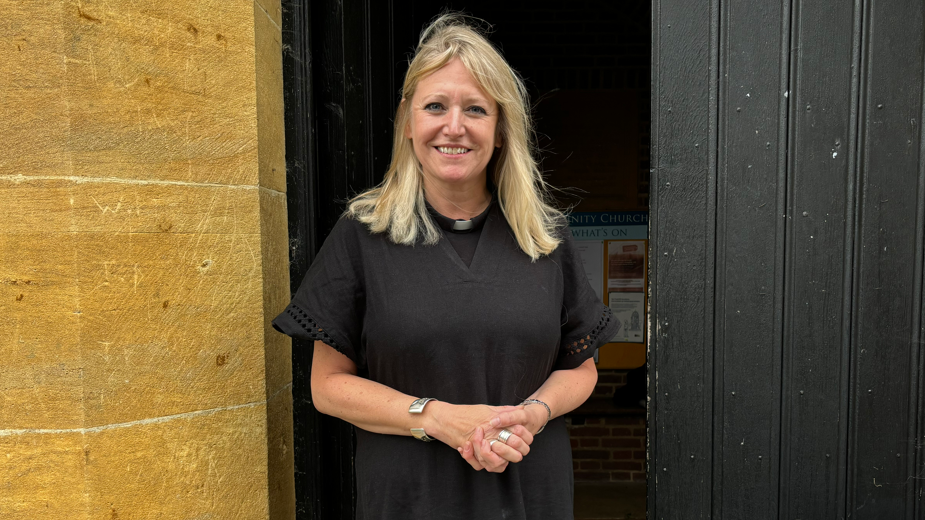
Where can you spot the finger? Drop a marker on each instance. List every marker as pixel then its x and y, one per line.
pixel 510 418
pixel 483 453
pixel 469 456
pixel 522 432
pixel 493 461
pixel 508 453
pixel 515 443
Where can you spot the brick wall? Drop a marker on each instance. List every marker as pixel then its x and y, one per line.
pixel 607 447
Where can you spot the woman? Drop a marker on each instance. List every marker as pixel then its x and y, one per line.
pixel 461 300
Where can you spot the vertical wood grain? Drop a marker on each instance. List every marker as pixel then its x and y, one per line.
pixel 886 338
pixel 683 201
pixel 749 277
pixel 820 222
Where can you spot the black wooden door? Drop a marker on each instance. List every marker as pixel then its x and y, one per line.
pixel 787 221
pixel 340 99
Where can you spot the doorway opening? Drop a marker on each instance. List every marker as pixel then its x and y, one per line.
pixel 587 65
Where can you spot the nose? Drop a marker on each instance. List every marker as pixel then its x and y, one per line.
pixel 454 125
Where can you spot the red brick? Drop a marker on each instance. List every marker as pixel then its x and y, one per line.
pixel 592 475
pixel 639 432
pixel 575 465
pixel 590 431
pixel 574 442
pixel 622 443
pixel 594 420
pixel 590 454
pixel 620 475
pixel 639 476
pixel 591 464
pixel 604 389
pixel 590 442
pixel 621 432
pixel 621 455
pixel 623 465
pixel 639 455
pixel 634 421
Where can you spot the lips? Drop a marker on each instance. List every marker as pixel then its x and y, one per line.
pixel 449 150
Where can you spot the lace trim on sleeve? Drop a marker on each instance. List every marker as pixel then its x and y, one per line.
pixel 311 328
pixel 580 345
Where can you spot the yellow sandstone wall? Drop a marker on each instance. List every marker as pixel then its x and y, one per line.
pixel 143 252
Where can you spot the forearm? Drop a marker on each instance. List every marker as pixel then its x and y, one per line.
pixel 563 391
pixel 366 404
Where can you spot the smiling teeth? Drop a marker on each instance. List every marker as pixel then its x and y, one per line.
pixel 452 151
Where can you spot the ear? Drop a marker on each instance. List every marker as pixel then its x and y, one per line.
pixel 407 129
pixel 499 139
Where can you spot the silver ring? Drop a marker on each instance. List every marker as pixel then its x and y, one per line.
pixel 505 435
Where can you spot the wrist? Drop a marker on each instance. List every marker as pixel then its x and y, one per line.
pixel 538 414
pixel 431 419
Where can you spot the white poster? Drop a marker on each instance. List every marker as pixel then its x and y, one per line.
pixel 592 258
pixel 626 265
pixel 629 308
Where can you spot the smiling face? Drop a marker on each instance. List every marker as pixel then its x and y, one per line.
pixel 453 127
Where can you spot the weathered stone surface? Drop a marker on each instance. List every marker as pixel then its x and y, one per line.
pixel 40 375
pixel 280 460
pixel 206 465
pixel 271 140
pixel 32 71
pixel 275 254
pixel 142 252
pixel 273 9
pixel 42 476
pixel 171 323
pixel 162 90
pixel 69 206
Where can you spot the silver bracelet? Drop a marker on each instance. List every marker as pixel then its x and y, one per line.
pixel 548 411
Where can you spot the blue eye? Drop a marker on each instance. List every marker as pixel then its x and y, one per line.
pixel 432 107
pixel 478 110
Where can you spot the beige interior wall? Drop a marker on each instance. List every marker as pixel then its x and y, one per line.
pixel 142 255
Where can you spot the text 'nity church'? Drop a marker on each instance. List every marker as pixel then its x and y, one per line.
pixel 745 185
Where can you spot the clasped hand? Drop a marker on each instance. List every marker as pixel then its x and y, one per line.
pixel 472 428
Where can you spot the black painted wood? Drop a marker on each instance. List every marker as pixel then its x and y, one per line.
pixel 301 199
pixel 682 248
pixel 749 277
pixel 886 341
pixel 339 106
pixel 815 293
pixel 819 218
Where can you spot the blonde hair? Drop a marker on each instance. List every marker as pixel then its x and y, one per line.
pixel 397 205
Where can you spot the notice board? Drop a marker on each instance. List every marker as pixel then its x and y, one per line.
pixel 614 250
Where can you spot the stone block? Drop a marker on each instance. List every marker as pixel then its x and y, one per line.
pixel 162 90
pixel 42 476
pixel 40 376
pixel 271 137
pixel 202 465
pixel 280 456
pixel 275 255
pixel 171 323
pixel 273 10
pixel 31 76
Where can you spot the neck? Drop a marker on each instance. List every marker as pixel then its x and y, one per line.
pixel 457 202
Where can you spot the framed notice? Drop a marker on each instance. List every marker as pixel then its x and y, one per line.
pixel 614 253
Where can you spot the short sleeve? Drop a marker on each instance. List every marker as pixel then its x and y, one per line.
pixel 586 322
pixel 329 304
